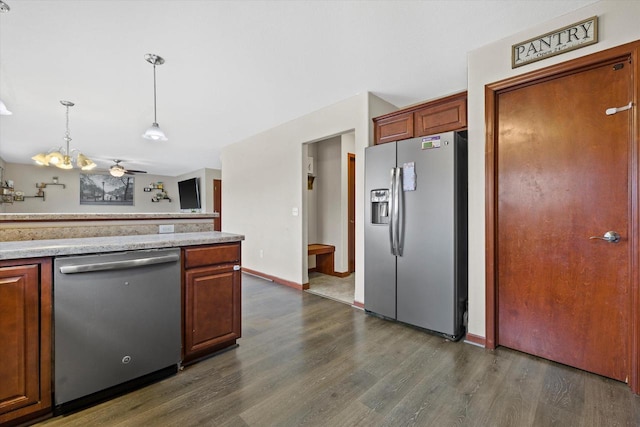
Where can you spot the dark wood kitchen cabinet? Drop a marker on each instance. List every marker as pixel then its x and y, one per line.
pixel 25 337
pixel 212 299
pixel 393 127
pixel 437 116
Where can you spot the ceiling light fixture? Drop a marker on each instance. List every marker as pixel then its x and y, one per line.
pixel 154 133
pixel 4 8
pixel 62 158
pixel 3 109
pixel 116 170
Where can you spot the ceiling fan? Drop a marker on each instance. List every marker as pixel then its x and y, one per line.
pixel 118 170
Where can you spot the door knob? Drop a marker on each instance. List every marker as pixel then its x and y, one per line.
pixel 609 236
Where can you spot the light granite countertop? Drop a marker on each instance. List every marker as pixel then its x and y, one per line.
pixel 91 245
pixel 103 216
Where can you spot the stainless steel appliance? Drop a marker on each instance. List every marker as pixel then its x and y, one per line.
pixel 117 318
pixel 416 232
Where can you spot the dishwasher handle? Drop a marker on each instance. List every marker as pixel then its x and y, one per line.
pixel 118 265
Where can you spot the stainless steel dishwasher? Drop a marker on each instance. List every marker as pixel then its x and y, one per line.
pixel 116 319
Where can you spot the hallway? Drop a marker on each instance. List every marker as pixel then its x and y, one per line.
pixel 332 287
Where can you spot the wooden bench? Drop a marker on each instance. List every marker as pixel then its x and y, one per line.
pixel 324 257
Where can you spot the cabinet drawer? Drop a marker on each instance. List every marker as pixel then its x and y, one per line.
pixel 209 255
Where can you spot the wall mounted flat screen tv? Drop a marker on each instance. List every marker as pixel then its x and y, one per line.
pixel 189 193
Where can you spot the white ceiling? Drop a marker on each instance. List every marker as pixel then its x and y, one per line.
pixel 233 68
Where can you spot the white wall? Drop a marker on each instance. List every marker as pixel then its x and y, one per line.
pixel 2 165
pixel 329 186
pixel 618 24
pixel 264 180
pixel 206 177
pixel 67 200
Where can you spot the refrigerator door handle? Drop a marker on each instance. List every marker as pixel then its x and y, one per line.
pixel 392 217
pixel 397 202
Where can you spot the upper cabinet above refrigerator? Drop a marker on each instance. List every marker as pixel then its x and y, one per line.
pixel 437 116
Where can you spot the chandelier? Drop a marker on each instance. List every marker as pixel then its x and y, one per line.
pixel 65 158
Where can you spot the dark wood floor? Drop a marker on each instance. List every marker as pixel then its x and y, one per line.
pixel 306 360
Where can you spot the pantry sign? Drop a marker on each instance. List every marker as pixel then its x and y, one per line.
pixel 571 37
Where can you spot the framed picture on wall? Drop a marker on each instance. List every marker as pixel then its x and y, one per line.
pixel 104 189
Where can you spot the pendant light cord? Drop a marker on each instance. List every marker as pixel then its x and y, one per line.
pixel 155 118
pixel 66 136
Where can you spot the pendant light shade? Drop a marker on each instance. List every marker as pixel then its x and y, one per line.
pixel 55 158
pixel 41 159
pixel 3 109
pixel 66 163
pixel 154 133
pixel 85 163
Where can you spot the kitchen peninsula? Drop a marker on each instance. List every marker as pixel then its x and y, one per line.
pixel 41 226
pixel 206 292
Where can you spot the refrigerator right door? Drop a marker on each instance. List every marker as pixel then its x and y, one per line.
pixel 427 285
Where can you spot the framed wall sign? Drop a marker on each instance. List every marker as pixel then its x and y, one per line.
pixel 566 39
pixel 104 189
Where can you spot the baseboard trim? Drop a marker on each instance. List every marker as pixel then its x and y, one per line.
pixel 277 280
pixel 335 273
pixel 475 339
pixel 358 304
pixel 341 275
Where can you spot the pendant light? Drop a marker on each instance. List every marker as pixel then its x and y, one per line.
pixel 64 158
pixel 154 133
pixel 3 109
pixel 4 8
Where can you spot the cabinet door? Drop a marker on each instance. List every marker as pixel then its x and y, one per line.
pixel 212 309
pixel 394 128
pixel 442 117
pixel 25 334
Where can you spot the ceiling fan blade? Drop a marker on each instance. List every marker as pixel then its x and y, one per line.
pixel 133 171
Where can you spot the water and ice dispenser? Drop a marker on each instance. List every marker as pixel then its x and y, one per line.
pixel 380 206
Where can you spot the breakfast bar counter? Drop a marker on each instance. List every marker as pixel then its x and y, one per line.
pixel 90 245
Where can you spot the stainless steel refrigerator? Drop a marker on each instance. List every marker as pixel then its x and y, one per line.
pixel 416 232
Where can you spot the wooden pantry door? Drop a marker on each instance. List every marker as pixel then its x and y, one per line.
pixel 562 174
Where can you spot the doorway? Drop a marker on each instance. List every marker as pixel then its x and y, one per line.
pixel 351 200
pixel 217 204
pixel 560 174
pixel 331 216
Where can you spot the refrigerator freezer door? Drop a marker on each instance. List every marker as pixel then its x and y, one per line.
pixel 380 264
pixel 426 294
